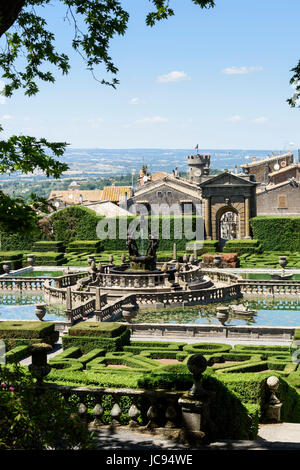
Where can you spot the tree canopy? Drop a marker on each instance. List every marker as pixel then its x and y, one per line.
pixel 25 35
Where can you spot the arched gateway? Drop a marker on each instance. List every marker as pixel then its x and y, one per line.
pixel 229 202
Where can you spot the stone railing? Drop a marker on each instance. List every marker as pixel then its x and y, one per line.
pixel 78 297
pixel 157 410
pixel 120 280
pixel 68 280
pixel 115 307
pixel 184 331
pixel 25 283
pixel 193 297
pixel 77 313
pixel 270 288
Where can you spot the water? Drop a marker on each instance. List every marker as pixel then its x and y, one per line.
pixel 266 277
pixel 22 307
pixel 277 313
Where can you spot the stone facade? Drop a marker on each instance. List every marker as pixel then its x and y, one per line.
pixel 261 169
pixel 168 192
pixel 282 199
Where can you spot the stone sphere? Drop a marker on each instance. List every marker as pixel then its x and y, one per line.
pixel 273 382
pixel 197 364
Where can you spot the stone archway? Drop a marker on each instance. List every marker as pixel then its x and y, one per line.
pixel 227 225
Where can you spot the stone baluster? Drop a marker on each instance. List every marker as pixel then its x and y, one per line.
pixel 97 412
pixel 171 415
pixel 133 414
pixel 82 412
pixel 153 414
pixel 116 414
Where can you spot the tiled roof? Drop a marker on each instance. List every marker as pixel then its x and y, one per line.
pixel 264 160
pixel 115 193
pixel 73 196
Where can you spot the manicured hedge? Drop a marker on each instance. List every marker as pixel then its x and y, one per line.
pixel 242 246
pixel 277 233
pixel 206 348
pixel 85 246
pixel 48 258
pixel 103 329
pixel 206 246
pixel 18 333
pixel 87 343
pixel 14 256
pixel 17 354
pixel 52 246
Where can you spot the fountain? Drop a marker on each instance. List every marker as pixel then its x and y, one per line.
pixel 147 282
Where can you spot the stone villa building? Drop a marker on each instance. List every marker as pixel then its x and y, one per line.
pixel 227 201
pixel 269 186
pixel 278 193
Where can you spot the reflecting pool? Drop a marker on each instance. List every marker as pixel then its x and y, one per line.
pixel 280 312
pixel 17 306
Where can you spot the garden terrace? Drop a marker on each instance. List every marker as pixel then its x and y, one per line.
pixel 143 383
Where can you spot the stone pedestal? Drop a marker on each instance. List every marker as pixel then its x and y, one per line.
pixel 273 413
pixel 191 413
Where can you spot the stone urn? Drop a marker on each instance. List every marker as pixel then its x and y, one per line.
pixel 197 364
pixel 123 258
pixel 217 261
pixel 39 367
pixel 128 312
pixel 31 259
pixel 283 261
pixel 222 315
pixel 6 266
pixel 40 311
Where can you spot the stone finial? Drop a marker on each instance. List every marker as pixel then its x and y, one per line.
pixel 273 408
pixel 197 364
pixel 273 384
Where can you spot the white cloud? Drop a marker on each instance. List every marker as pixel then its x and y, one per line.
pixel 134 101
pixel 154 119
pixel 260 120
pixel 173 77
pixel 235 118
pixel 241 70
pixel 6 117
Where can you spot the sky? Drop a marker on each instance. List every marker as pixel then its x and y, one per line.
pixel 218 78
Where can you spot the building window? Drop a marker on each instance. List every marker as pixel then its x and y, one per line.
pixel 169 193
pixel 159 194
pixel 282 202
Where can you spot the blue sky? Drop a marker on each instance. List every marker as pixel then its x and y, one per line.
pixel 217 77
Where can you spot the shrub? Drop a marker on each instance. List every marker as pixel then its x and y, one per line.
pixel 242 246
pixel 49 246
pixel 87 343
pixel 49 258
pixel 31 423
pixel 206 348
pixel 277 233
pixel 17 354
pixel 85 246
pixel 107 329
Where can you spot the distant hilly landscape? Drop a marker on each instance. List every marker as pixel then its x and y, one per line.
pixel 107 162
